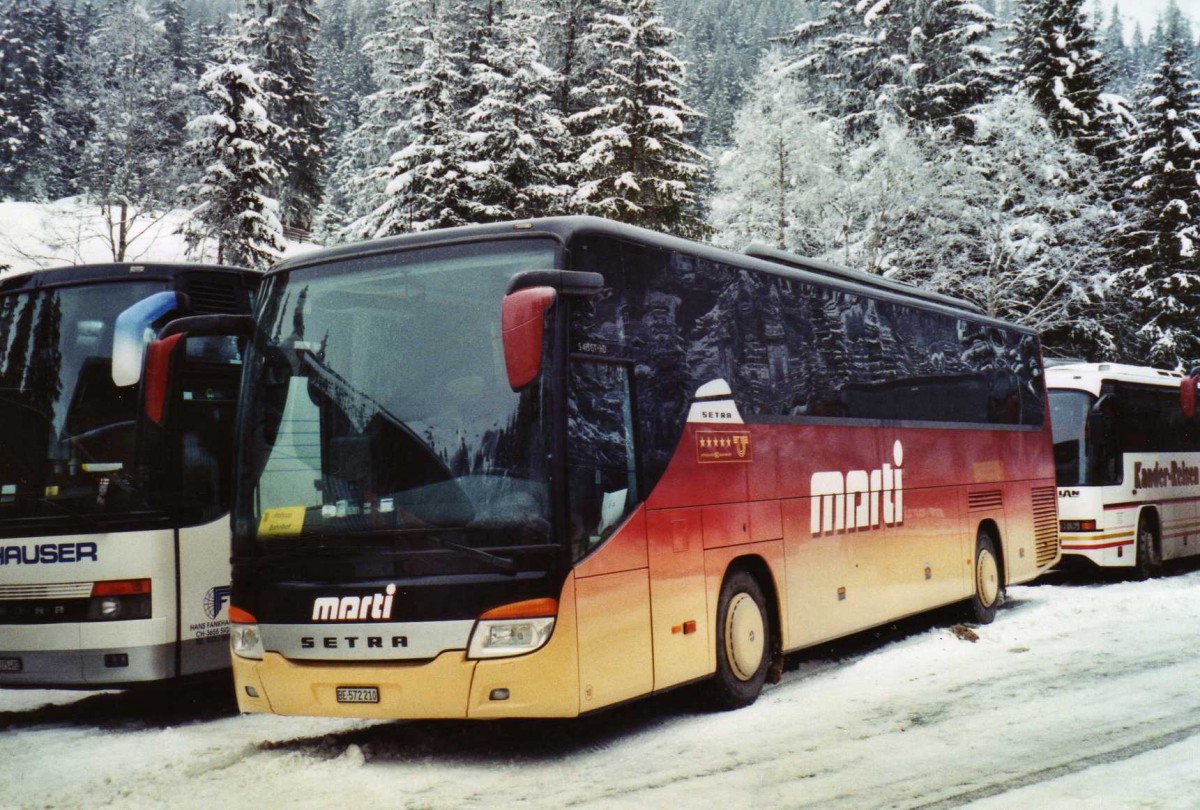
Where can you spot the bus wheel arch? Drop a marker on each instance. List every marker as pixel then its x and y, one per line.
pixel 987 572
pixel 1148 546
pixel 746 631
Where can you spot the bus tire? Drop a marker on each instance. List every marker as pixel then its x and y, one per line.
pixel 743 642
pixel 1148 556
pixel 989 590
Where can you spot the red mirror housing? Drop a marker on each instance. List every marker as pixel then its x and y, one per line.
pixel 522 319
pixel 158 375
pixel 1187 396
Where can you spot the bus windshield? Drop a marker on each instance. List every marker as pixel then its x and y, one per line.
pixel 378 409
pixel 1068 416
pixel 67 451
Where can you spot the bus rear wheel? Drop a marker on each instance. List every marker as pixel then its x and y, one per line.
pixel 1148 556
pixel 988 588
pixel 743 642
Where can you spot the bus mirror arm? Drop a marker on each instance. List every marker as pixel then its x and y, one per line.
pixel 205 325
pixel 564 282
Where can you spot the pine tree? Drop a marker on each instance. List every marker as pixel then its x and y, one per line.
pixel 424 183
pixel 281 32
pixel 516 138
pixel 22 113
pixel 637 161
pixel 1120 62
pixel 358 182
pixel 924 61
pixel 1062 70
pixel 566 24
pixel 231 146
pixel 1163 234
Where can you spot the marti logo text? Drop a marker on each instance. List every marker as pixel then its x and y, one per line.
pixel 354 608
pixel 859 499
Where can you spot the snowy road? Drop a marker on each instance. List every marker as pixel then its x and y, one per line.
pixel 1079 695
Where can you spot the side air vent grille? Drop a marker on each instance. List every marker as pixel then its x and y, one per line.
pixel 67 590
pixel 1045 525
pixel 991 499
pixel 215 294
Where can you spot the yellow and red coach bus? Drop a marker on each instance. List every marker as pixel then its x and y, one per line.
pixel 538 469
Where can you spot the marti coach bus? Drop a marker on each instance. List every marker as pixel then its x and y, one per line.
pixel 1127 458
pixel 114 529
pixel 537 469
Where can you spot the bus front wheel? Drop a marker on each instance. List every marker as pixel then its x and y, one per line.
pixel 988 588
pixel 1148 557
pixel 743 642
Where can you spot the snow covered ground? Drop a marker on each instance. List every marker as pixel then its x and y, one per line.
pixel 1079 695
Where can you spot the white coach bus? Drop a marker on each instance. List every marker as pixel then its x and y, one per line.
pixel 1127 463
pixel 114 482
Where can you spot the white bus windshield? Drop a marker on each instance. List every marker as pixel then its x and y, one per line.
pixel 68 448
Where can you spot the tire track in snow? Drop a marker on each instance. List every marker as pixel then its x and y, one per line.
pixel 1067 768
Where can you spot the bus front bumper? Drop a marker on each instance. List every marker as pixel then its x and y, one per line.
pixel 544 683
pixel 1106 549
pixel 86 669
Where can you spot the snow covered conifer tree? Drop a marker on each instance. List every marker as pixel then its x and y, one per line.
pixel 916 60
pixel 358 180
pixel 231 145
pixel 1122 70
pixel 424 183
pixel 282 33
pixel 22 114
pixel 638 164
pixel 1060 66
pixel 516 140
pixel 1163 236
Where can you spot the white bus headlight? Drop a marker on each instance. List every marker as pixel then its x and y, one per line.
pixel 245 641
pixel 497 638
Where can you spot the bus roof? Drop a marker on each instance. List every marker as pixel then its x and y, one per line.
pixel 1090 376
pixel 113 271
pixel 564 228
pixel 825 268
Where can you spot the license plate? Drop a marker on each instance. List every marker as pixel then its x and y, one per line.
pixel 10 664
pixel 357 694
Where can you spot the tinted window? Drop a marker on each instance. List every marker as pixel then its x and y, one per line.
pixel 790 349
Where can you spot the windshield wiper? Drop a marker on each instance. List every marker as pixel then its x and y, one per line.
pixel 505 564
pixel 42 500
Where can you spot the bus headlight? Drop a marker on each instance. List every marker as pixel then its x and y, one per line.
pixel 497 638
pixel 245 641
pixel 514 629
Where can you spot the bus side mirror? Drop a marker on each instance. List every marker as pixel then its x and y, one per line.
pixel 130 332
pixel 522 325
pixel 161 354
pixel 1187 396
pixel 159 359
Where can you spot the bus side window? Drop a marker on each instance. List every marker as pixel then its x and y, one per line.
pixel 601 461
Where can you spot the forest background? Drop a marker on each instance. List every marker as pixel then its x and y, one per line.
pixel 1040 158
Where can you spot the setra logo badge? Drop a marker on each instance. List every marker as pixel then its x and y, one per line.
pixel 723 446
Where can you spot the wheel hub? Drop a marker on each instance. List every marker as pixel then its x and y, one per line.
pixel 745 636
pixel 987 578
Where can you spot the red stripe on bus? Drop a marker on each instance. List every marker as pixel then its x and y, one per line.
pixel 1131 504
pixel 1065 547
